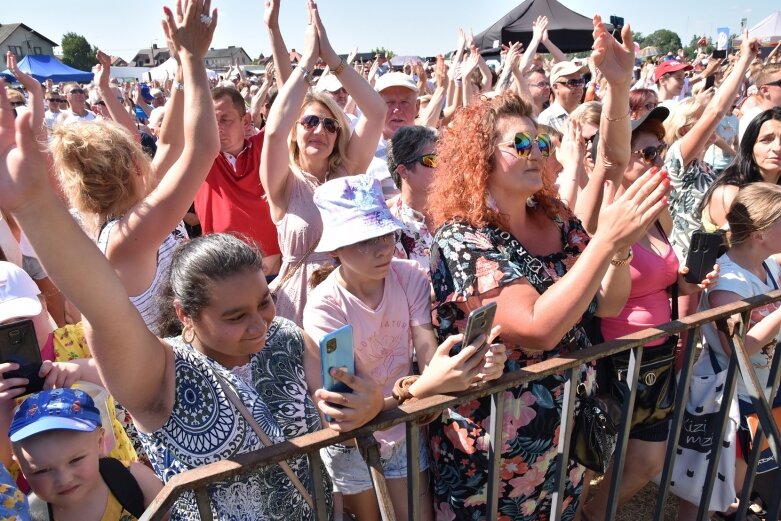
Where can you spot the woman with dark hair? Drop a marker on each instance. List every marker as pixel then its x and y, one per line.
pixel 641 102
pixel 758 159
pixel 544 272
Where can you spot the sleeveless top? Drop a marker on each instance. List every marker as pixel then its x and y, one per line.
pixel 204 427
pixel 146 303
pixel 298 231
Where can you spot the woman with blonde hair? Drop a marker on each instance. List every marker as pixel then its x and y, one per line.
pixel 128 204
pixel 319 148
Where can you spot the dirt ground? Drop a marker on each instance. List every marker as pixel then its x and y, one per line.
pixel 642 506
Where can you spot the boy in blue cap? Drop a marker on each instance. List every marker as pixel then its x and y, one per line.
pixel 56 437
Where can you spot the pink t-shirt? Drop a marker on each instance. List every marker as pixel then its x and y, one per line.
pixel 649 303
pixel 382 337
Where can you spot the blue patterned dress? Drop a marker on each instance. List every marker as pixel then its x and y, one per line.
pixel 465 263
pixel 204 427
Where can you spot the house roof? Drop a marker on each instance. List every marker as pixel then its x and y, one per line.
pixel 7 29
pixel 229 52
pixel 157 50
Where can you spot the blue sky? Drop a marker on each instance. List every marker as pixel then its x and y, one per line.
pixel 414 27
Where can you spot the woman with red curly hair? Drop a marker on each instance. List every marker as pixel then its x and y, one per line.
pixel 506 238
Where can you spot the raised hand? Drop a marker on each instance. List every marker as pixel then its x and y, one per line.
pixel 190 31
pixel 470 63
pixel 327 52
pixel 749 47
pixel 311 39
pixel 352 55
pixel 23 167
pixel 440 72
pixel 461 39
pixel 624 219
pixel 271 14
pixel 540 28
pixel 35 103
pixel 513 55
pixel 102 70
pixel 573 146
pixel 614 60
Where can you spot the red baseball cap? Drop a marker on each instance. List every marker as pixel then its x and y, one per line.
pixel 669 66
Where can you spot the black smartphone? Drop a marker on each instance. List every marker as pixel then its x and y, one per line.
pixel 703 252
pixel 719 55
pixel 479 322
pixel 18 344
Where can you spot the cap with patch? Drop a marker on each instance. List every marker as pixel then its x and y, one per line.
pixel 54 409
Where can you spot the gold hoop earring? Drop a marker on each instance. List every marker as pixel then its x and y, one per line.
pixel 187 331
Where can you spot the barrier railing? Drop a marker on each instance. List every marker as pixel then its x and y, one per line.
pixel 197 480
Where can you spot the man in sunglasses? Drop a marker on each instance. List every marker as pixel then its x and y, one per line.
pixel 54 100
pixel 567 83
pixel 77 98
pixel 670 76
pixel 768 95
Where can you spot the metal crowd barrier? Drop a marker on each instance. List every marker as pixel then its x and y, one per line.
pixel 197 480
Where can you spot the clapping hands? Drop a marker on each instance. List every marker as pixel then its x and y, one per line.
pixel 190 31
pixel 613 59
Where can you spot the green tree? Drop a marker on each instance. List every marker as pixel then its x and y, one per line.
pixel 692 49
pixel 664 39
pixel 638 38
pixel 77 52
pixel 382 50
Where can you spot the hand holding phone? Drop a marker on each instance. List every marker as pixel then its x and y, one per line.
pixel 19 345
pixel 479 322
pixel 703 252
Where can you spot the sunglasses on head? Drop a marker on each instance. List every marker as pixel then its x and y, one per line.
pixel 311 122
pixel 427 160
pixel 524 141
pixel 650 154
pixel 573 84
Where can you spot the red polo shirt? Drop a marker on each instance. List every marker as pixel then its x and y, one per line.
pixel 233 200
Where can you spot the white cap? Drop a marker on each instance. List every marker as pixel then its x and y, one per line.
pixel 565 69
pixel 395 79
pixel 18 293
pixel 328 83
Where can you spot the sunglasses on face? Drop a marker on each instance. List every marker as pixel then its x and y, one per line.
pixel 524 142
pixel 573 84
pixel 427 160
pixel 776 83
pixel 651 154
pixel 55 100
pixel 76 91
pixel 311 122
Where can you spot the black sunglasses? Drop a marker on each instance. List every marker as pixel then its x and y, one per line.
pixel 776 83
pixel 573 84
pixel 311 122
pixel 76 91
pixel 650 154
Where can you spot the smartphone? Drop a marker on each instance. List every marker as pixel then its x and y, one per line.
pixel 719 55
pixel 703 252
pixel 18 344
pixel 336 350
pixel 479 322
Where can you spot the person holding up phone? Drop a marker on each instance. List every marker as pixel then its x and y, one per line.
pixel 387 302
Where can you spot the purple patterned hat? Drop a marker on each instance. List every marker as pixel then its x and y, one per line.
pixel 353 210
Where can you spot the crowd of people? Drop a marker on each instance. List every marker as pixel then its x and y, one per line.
pixel 240 222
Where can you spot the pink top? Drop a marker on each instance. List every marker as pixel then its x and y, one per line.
pixel 382 337
pixel 649 303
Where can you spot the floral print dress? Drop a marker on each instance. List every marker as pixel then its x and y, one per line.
pixel 466 262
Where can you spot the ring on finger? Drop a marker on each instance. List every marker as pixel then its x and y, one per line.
pixel 206 19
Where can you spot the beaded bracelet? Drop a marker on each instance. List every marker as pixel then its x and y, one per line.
pixel 307 76
pixel 337 71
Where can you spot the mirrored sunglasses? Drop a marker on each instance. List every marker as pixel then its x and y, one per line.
pixel 650 154
pixel 524 141
pixel 311 122
pixel 427 160
pixel 573 84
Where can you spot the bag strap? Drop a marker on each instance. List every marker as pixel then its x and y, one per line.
pixel 770 275
pixel 674 300
pixel 297 266
pixel 236 401
pixel 123 485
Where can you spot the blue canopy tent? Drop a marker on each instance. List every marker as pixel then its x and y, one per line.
pixel 44 67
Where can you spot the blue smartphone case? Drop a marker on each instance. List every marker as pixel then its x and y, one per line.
pixel 336 350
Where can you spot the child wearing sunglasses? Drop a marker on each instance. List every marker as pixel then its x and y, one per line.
pixel 387 302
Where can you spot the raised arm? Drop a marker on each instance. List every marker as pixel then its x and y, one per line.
pixel 430 116
pixel 115 108
pixel 615 61
pixel 170 141
pixel 695 140
pixel 554 51
pixel 130 358
pixel 278 47
pixel 35 104
pixel 144 227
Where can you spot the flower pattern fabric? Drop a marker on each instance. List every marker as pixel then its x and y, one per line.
pixel 414 240
pixel 465 263
pixel 204 427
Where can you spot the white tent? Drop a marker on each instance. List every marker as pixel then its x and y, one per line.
pixel 125 73
pixel 167 69
pixel 768 30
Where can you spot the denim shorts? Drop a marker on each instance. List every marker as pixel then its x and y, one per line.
pixel 350 474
